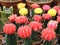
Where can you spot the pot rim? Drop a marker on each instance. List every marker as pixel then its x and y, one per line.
pixel 57 1
pixel 40 2
pixel 10 1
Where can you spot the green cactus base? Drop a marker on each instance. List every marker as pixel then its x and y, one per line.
pixel 11 39
pixel 54 18
pixel 1 25
pixel 45 23
pixel 58 29
pixel 28 41
pixel 47 43
pixel 35 36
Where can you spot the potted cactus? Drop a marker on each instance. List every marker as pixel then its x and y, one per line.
pixel 9 3
pixel 40 2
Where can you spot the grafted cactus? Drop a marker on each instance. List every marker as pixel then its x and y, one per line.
pixel 11 39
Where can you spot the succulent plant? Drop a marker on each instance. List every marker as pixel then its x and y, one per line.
pixel 1 25
pixel 5 13
pixel 4 16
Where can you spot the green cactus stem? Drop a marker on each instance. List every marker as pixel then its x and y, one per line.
pixel 11 9
pixel 1 25
pixel 58 29
pixel 52 42
pixel 1 22
pixel 28 41
pixel 47 42
pixel 11 39
pixel 0 12
pixel 6 13
pixel 45 23
pixel 55 17
pixel 7 10
pixel 35 36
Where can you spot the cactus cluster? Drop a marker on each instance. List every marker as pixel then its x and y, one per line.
pixel 43 21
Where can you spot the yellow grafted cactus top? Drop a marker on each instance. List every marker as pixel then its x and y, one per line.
pixel 23 11
pixel 52 12
pixel 38 10
pixel 21 5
